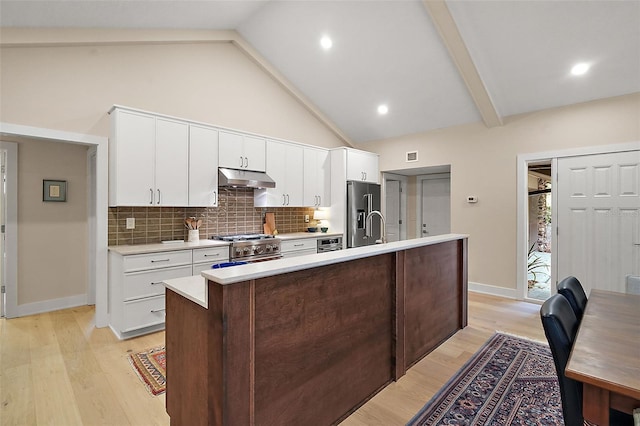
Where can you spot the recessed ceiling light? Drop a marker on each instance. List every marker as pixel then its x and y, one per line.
pixel 326 42
pixel 580 69
pixel 383 109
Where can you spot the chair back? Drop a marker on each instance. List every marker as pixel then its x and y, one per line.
pixel 572 290
pixel 560 326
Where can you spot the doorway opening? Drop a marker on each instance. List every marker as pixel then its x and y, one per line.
pixel 395 206
pixel 539 240
pixel 435 205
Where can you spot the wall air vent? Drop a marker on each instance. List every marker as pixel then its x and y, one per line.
pixel 412 156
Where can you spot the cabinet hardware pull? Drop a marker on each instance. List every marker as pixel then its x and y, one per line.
pixel 151 196
pixel 154 311
pixel 319 200
pixel 298 245
pixel 365 175
pixel 287 199
pixel 158 197
pixel 247 162
pixel 284 199
pixel 160 260
pixel 156 283
pixel 241 162
pixel 215 197
pixel 212 255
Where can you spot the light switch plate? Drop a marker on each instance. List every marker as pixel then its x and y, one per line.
pixel 131 223
pixel 306 218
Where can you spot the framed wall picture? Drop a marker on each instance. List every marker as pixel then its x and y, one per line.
pixel 54 190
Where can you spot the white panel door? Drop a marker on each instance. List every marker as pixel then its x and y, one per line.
pixel 599 219
pixel 436 206
pixel 392 207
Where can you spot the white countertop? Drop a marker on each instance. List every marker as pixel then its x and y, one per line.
pixel 257 270
pixel 299 235
pixel 194 288
pixel 169 246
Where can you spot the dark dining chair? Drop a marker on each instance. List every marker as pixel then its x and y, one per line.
pixel 572 290
pixel 560 326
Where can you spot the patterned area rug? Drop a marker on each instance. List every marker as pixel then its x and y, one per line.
pixel 151 367
pixel 509 381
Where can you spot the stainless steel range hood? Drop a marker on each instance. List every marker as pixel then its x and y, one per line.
pixel 244 178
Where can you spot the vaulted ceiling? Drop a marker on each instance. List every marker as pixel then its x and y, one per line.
pixel 435 64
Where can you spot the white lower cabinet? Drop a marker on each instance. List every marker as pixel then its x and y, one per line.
pixel 299 247
pixel 136 289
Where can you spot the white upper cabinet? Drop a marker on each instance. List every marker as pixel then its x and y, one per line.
pixel 239 151
pixel 203 166
pixel 285 167
pixel 317 178
pixel 148 159
pixel 362 166
pixel 172 163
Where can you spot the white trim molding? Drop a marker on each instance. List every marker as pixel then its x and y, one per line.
pixel 51 305
pixel 16 131
pixel 523 161
pixel 10 270
pixel 492 290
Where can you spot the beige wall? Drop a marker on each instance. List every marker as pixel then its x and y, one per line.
pixel 71 87
pixel 52 245
pixel 483 163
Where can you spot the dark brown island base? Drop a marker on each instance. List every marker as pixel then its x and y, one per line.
pixel 307 340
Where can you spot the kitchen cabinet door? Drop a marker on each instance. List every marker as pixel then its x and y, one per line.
pixel 131 159
pixel 317 175
pixel 172 163
pixel 285 167
pixel 239 151
pixel 203 166
pixel 362 166
pixel 231 150
pixel 255 153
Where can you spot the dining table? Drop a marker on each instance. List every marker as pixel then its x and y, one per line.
pixel 606 355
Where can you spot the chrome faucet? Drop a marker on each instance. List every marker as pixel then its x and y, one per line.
pixel 367 227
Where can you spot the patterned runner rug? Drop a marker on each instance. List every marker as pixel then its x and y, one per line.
pixel 151 367
pixel 509 381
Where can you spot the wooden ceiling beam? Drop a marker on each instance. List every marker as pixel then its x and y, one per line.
pixel 452 39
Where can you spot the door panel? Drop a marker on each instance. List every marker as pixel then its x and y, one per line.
pixel 436 206
pixel 599 219
pixel 393 210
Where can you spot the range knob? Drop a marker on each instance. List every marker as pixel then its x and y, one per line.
pixel 258 249
pixel 246 250
pixel 275 247
pixel 238 251
pixel 267 247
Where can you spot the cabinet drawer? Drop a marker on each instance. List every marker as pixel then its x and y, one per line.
pixel 139 262
pixel 296 253
pixel 214 254
pixel 199 267
pixel 149 283
pixel 294 245
pixel 143 313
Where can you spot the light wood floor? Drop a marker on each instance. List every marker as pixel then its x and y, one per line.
pixel 58 369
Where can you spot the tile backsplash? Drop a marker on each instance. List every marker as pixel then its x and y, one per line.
pixel 235 214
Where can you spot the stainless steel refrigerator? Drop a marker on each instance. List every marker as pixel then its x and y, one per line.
pixel 362 198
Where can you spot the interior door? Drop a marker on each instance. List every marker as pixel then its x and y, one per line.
pixel 392 205
pixel 2 230
pixel 599 219
pixel 436 206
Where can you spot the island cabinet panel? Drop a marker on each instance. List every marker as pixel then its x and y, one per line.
pixel 323 341
pixel 432 305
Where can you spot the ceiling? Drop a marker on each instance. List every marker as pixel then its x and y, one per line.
pixel 435 64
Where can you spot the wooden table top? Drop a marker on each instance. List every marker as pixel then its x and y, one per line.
pixel 606 352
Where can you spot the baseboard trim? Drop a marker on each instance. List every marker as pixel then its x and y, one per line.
pixel 51 305
pixel 492 290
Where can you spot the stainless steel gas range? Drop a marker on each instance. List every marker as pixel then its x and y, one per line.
pixel 252 247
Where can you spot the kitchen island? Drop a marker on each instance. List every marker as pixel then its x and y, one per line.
pixel 307 340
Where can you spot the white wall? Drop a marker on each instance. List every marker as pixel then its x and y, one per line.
pixel 483 163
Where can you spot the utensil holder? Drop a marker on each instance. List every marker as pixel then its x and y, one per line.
pixel 194 236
